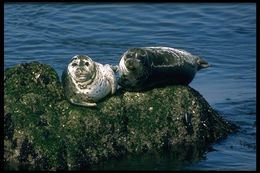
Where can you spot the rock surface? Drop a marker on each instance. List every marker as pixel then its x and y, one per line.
pixel 42 131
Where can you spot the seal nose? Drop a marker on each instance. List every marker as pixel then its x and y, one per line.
pixel 79 70
pixel 130 63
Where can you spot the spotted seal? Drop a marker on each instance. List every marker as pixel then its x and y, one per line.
pixel 85 81
pixel 147 67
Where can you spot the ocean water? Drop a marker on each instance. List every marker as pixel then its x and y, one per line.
pixel 224 34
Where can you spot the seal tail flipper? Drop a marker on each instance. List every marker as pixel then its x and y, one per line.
pixel 202 64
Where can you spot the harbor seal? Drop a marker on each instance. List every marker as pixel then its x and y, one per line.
pixel 85 81
pixel 147 67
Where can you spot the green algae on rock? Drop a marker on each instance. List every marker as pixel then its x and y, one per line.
pixel 43 131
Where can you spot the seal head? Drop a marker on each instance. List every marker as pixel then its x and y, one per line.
pixel 133 68
pixel 82 69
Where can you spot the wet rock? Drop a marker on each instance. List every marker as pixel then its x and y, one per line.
pixel 42 131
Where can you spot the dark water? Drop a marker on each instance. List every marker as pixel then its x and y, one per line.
pixel 223 34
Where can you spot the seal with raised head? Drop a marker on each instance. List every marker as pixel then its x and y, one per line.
pixel 86 82
pixel 147 67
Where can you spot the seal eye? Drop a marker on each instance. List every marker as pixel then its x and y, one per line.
pixel 74 64
pixel 87 63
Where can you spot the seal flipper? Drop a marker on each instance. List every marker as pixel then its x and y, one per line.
pixel 82 103
pixel 202 64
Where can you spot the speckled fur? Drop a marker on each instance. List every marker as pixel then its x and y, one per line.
pixel 85 85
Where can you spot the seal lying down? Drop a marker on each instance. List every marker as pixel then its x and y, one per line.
pixel 146 67
pixel 85 82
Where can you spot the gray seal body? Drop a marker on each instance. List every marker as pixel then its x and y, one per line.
pixel 85 82
pixel 147 67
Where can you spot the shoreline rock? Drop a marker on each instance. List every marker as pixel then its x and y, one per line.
pixel 42 131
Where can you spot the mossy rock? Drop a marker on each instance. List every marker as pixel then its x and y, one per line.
pixel 43 131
